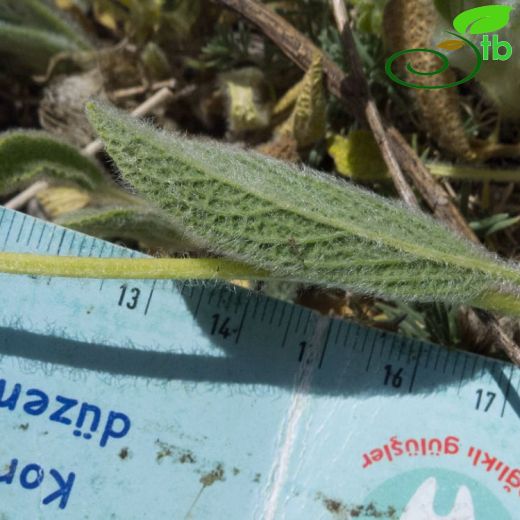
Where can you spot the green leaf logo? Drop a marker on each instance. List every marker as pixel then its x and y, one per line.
pixel 482 20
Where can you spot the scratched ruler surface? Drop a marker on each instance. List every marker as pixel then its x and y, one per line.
pixel 155 399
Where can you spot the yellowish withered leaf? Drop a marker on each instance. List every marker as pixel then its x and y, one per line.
pixel 59 200
pixel 64 4
pixel 105 16
pixel 288 100
pixel 357 156
pixel 248 107
pixel 307 122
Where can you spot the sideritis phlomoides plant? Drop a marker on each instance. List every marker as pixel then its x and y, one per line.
pixel 300 224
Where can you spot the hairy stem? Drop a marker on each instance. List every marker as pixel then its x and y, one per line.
pixel 474 173
pixel 178 269
pixel 128 268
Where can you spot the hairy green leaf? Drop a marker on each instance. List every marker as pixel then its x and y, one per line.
pixel 39 14
pixel 145 225
pixel 100 208
pixel 29 48
pixel 31 33
pixel 302 225
pixel 29 155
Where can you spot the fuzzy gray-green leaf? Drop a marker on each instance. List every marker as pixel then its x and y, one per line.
pixel 145 225
pixel 301 225
pixel 31 33
pixel 28 155
pixel 41 15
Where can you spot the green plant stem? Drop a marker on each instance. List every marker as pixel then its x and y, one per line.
pixel 178 269
pixel 456 172
pixel 473 173
pixel 128 268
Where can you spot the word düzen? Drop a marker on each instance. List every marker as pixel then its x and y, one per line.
pixel 67 411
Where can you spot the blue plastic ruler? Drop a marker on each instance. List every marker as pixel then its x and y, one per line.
pixel 155 399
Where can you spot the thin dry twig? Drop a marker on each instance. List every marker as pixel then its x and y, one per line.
pixel 26 195
pixel 487 331
pixel 143 89
pixel 436 196
pixel 502 340
pixel 289 40
pixel 432 192
pixel 371 112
